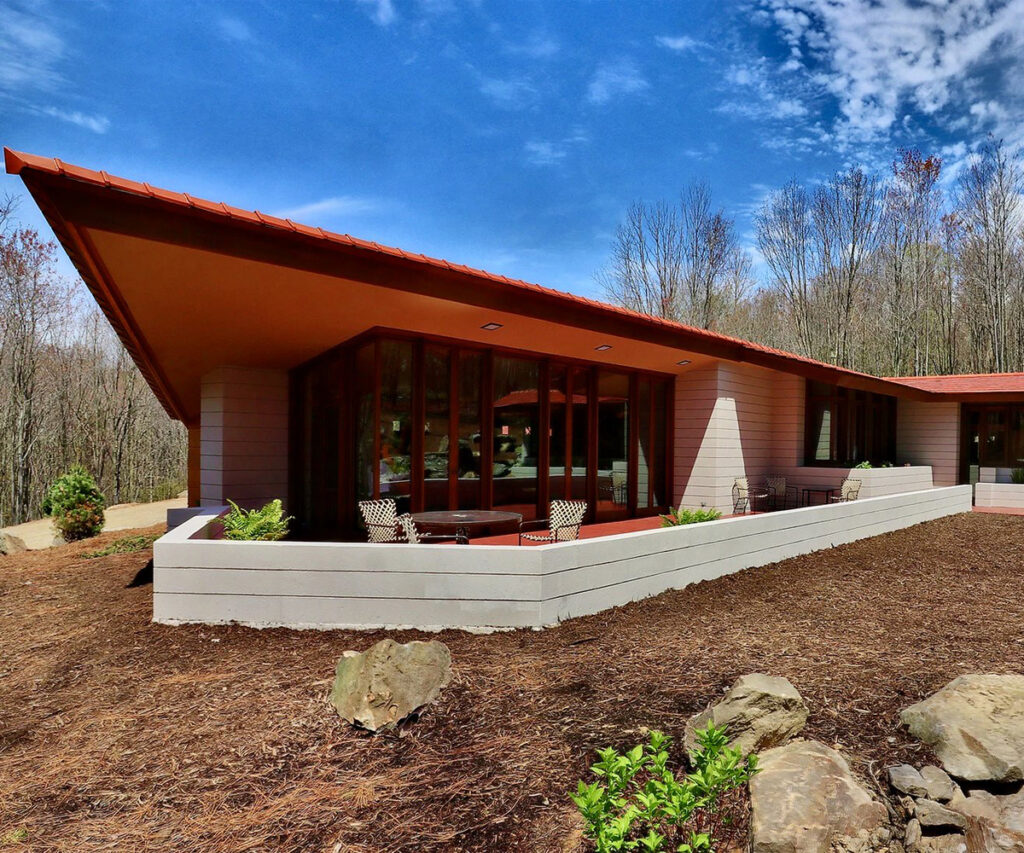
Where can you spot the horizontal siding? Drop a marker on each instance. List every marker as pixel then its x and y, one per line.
pixel 1008 495
pixel 929 434
pixel 244 436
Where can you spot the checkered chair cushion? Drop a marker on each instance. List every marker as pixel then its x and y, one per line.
pixel 564 523
pixel 381 520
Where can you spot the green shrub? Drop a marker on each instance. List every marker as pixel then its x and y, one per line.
pixel 266 523
pixel 1017 475
pixel 689 516
pixel 638 804
pixel 75 505
pixel 124 545
pixel 864 464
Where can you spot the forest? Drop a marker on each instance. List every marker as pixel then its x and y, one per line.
pixel 908 272
pixel 70 392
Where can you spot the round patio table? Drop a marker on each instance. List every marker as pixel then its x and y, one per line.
pixel 462 521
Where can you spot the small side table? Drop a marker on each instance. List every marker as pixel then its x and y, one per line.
pixel 826 495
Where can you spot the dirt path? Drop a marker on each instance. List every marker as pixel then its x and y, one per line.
pixel 117 734
pixel 39 533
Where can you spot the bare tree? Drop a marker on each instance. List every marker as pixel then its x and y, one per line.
pixel 681 263
pixel 989 205
pixel 846 214
pixel 785 238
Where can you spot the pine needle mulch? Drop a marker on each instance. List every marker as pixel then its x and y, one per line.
pixel 117 734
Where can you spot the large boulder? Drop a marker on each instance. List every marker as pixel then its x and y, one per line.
pixel 759 712
pixel 975 725
pixel 380 687
pixel 11 544
pixel 805 800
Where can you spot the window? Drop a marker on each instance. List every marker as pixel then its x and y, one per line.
pixel 441 425
pixel 994 436
pixel 844 427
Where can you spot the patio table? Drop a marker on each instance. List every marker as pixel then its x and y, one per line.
pixel 462 521
pixel 826 495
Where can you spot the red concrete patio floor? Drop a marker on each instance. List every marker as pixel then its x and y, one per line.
pixel 588 531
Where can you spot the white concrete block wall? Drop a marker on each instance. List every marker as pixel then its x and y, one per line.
pixel 333 584
pixel 244 436
pixel 929 434
pixel 723 430
pixel 1007 495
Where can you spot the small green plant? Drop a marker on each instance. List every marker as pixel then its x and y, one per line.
pixel 638 804
pixel 265 524
pixel 1017 476
pixel 864 464
pixel 689 516
pixel 75 505
pixel 124 545
pixel 14 836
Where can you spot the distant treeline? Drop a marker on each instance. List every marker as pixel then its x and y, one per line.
pixel 69 391
pixel 897 274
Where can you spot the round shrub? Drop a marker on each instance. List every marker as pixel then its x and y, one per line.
pixel 75 505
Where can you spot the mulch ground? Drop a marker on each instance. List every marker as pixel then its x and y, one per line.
pixel 117 734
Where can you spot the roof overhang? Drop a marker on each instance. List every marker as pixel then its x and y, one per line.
pixel 191 285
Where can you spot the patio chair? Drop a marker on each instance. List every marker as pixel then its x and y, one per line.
pixel 740 495
pixel 780 491
pixel 563 525
pixel 849 491
pixel 414 536
pixel 381 520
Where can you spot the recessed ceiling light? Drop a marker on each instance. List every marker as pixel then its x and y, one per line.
pixel 490 327
pixel 683 362
pixel 603 347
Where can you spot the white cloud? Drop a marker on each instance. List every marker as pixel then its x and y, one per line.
pixel 510 92
pixel 30 50
pixel 344 205
pixel 381 11
pixel 553 152
pixel 536 46
pixel 753 94
pixel 680 44
pixel 614 79
pixel 234 29
pixel 881 58
pixel 97 124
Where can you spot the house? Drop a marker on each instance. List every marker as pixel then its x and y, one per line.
pixel 325 369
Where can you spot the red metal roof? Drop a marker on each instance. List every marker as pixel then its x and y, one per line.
pixel 16 162
pixel 966 383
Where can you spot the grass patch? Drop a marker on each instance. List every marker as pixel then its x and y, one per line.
pixel 125 545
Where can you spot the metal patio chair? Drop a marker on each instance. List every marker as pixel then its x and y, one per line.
pixel 780 491
pixel 414 536
pixel 849 491
pixel 381 520
pixel 740 495
pixel 563 525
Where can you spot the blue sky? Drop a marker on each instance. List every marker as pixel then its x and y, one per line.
pixel 510 136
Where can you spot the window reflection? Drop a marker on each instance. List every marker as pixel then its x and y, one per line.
pixel 612 443
pixel 516 435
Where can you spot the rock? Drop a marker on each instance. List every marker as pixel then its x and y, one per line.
pixel 382 686
pixel 907 780
pixel 940 787
pixel 759 712
pixel 804 800
pixel 933 815
pixel 980 804
pixel 11 544
pixel 955 843
pixel 57 541
pixel 975 725
pixel 913 833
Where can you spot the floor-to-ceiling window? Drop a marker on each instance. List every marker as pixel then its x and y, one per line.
pixel 844 426
pixel 441 425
